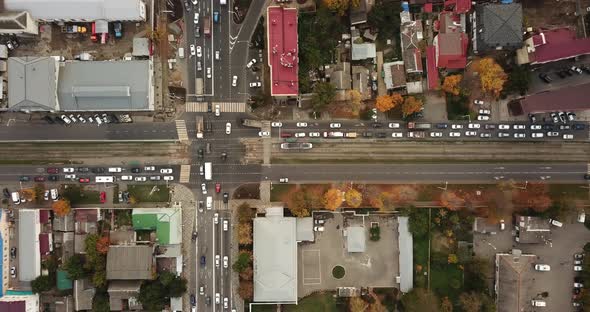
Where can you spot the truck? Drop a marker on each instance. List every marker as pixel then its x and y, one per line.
pixel 208 171
pixel 419 125
pixel 73 29
pixel 222 2
pixel 416 134
pixel 198 86
pixel 251 123
pixel 207 26
pixel 336 134
pixel 199 127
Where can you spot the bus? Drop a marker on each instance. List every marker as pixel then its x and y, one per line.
pixel 105 179
pixel 208 171
pixel 198 86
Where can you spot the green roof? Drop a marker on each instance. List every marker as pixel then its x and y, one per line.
pixel 154 222
pixel 163 232
pixel 63 282
pixel 145 221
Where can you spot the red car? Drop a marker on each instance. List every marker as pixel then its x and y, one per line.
pixel 217 187
pixel 52 170
pixel 286 135
pixel 39 179
pixel 103 197
pixel 84 180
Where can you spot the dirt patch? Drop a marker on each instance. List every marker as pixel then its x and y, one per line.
pixel 549 13
pixel 440 243
pixel 247 191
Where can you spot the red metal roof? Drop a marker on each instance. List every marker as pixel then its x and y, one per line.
pixel 44 243
pixel 13 306
pixel 43 216
pixel 558 44
pixel 283 54
pixel 86 215
pixel 459 6
pixel 574 98
pixel 452 50
pixel 432 71
pixel 427 8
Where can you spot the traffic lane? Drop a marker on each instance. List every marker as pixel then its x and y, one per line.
pixel 14 173
pixel 400 125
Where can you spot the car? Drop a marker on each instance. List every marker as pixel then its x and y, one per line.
pixel 217 298
pixel 103 197
pixel 383 135
pixel 39 179
pixel 319 221
pixel 568 136
pixel 126 178
pixel 204 188
pixel 579 256
pixel 13 252
pixel 70 177
pixel 502 225
pixel 489 126
pixel 193 50
pixel 519 135
pixel 168 178
pixel 552 134
pixel 208 72
pixel 577 268
pixel 470 133
pixel 225 262
pixel 217 110
pixel 234 81
pixel 485 135
pixel 503 134
pixel 473 126
pixel 225 225
pixel 314 134
pixel 484 112
pixel 202 290
pixel 394 125
pixel 217 187
pixel 536 127
pixel 300 135
pixel 318 228
pixel 199 66
pixel 225 303
pixel 6 193
pixel 81 118
pixel 577 70
pixel 579 127
pixel 46 195
pixel 577 262
pixel 64 119
pixel 555 223
pixel 286 135
pixel 478 102
pixel 166 170
pixel 537 135
pixel 255 84
pixel 73 118
pixel 454 134
pixel 368 134
pixel 483 117
pixel 264 133
pixel 193 300
pixel 251 63
pixel 84 180
pixel 397 135
pixel 135 170
pixel 436 134
pixel 13 272
pixel 456 126
pixel 562 117
pixel 554 117
pixel 335 125
pixel 52 170
pixel 215 216
pixel 504 127
pixel 140 179
pixel 24 179
pixel 518 127
pixel 542 267
pixel 203 261
pixel 571 116
pixel 149 168
pixel 68 170
pixel 225 197
pixel 564 127
pixel 54 194
pixel 276 124
pixel 442 125
pixel 199 51
pixel 196 19
pixel 532 118
pixel 301 124
pixel 217 260
pixel 217 55
pixel 284 180
pixel 546 78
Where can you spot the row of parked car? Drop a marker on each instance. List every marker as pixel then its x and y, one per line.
pixel 94 119
pixel 565 72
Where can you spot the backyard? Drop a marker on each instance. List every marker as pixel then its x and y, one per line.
pixel 146 193
pixel 320 302
pixel 78 195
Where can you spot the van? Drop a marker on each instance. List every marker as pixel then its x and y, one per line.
pixel 115 169
pixel 181 53
pixel 351 135
pixel 582 217
pixel 126 178
pixel 209 202
pixel 15 198
pixel 555 223
pixel 538 303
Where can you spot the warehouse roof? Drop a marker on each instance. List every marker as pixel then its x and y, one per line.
pixel 32 83
pixel 29 256
pixel 80 10
pixel 129 262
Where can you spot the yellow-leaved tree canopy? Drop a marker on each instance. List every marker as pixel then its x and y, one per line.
pixel 492 76
pixel 341 6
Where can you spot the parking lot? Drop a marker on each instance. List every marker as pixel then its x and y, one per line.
pixel 378 266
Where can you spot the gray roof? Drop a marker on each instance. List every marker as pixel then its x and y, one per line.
pixel 362 51
pixel 498 25
pixel 514 280
pixel 29 257
pixel 130 262
pixel 17 22
pixel 124 291
pixel 358 14
pixel 105 86
pixel 275 258
pixel 64 224
pixel 141 47
pixel 83 294
pixel 80 10
pixel 32 83
pixel 305 229
pixel 532 230
pixel 406 255
pixel 355 239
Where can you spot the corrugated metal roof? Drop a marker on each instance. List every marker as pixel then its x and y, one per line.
pixel 32 83
pixel 80 10
pixel 406 256
pixel 29 257
pixel 63 282
pixel 305 229
pixel 129 262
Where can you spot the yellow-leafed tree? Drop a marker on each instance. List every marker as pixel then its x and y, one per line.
pixel 353 198
pixel 332 199
pixel 384 103
pixel 492 76
pixel 451 84
pixel 341 6
pixel 61 207
pixel 411 105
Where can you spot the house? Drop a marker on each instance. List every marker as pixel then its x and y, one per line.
pixel 83 294
pixel 283 50
pixel 363 51
pixel 20 303
pixel 360 81
pixel 394 75
pixel 406 255
pixel 29 252
pixel 547 46
pixel 531 230
pixel 64 304
pixel 339 76
pixel 86 221
pixel 411 36
pixel 32 83
pixel 132 262
pixel 83 11
pixel 358 14
pixel 275 258
pixel 514 280
pixel 570 98
pixel 64 243
pixel 451 42
pixel 18 23
pixel 166 222
pixel 497 27
pixel 123 295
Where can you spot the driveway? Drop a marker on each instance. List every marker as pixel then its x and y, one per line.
pixel 435 107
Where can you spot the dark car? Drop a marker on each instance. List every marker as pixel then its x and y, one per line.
pixel 532 118
pixel 53 178
pixel 53 170
pixel 561 74
pixel 286 135
pixel 6 193
pixel 208 300
pixel 13 252
pixel 203 261
pixel 368 134
pixel 209 107
pixel 545 78
pixel 225 197
pixel 489 126
pixel 39 179
pixel 48 119
pixel 201 153
pixel 224 156
pixel 83 169
pixel 98 170
pixel 193 300
pixel 547 127
pixel 24 179
pixel 579 127
pixel 587 176
pixel 114 118
pixel 135 170
pixel 381 135
pixel 377 125
pixel 60 121
pixel 442 125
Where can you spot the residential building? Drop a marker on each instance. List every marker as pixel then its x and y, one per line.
pixel 569 98
pixel 29 254
pixel 363 51
pixel 406 255
pixel 123 295
pixel 451 42
pixel 394 75
pixel 360 81
pixel 339 76
pixel 514 280
pixel 82 11
pixel 166 222
pixel 411 36
pixel 497 26
pixel 63 304
pixel 531 230
pixel 83 294
pixel 134 262
pixel 20 303
pixel 358 14
pixel 18 23
pixel 283 51
pixel 547 46
pixel 275 258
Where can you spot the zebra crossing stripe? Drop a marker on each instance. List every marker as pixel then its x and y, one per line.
pixel 181 130
pixel 185 173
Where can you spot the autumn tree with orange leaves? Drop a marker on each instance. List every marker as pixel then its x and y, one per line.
pixel 451 200
pixel 451 84
pixel 102 245
pixel 403 194
pixel 61 207
pixel 384 103
pixel 411 105
pixel 534 196
pixel 332 199
pixel 397 99
pixel 491 76
pixel 353 198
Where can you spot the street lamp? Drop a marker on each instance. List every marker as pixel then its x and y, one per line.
pixel 468 117
pixel 444 188
pixel 525 185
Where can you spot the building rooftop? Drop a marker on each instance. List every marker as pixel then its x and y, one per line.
pixel 165 221
pixel 358 14
pixel 458 6
pixel 356 239
pixel 275 258
pixel 498 26
pixel 63 224
pixel 80 10
pixel 451 50
pixel 283 52
pixel 18 23
pixel 123 295
pixel 432 71
pixel 406 255
pixel 63 282
pixel 553 45
pixel 569 98
pixel 395 75
pixel 29 256
pixel 532 230
pixel 130 262
pixel 32 83
pixel 513 281
pixel 83 294
pixel 305 229
pixel 363 51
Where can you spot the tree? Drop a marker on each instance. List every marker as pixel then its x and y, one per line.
pixel 418 222
pixel 451 200
pixel 446 305
pixel 518 80
pixel 491 75
pixel 100 302
pixel 323 94
pixel 451 84
pixel 39 189
pixel 245 212
pixel 99 278
pixel 174 285
pixel 341 6
pixel 452 259
pixel 299 204
pixel 133 200
pixel 246 290
pixel 102 245
pixel 357 304
pixel 243 261
pixel 41 283
pixel 61 207
pixel 244 233
pixel 404 194
pixel 29 194
pixel 355 101
pixel 151 295
pixel 397 99
pixel 470 302
pixel 385 17
pixel 332 199
pixel 74 266
pixel 419 300
pixel 384 103
pixel 354 198
pixel 411 105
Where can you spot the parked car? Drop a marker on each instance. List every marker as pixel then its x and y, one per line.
pixel 542 267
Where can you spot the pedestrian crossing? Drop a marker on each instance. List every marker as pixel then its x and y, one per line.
pixel 224 107
pixel 185 174
pixel 181 130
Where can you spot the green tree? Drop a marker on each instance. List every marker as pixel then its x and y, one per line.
pixel 174 284
pixel 242 263
pixel 518 80
pixel 323 94
pixel 245 212
pixel 470 302
pixel 385 16
pixel 74 266
pixel 152 295
pixel 100 302
pixel 41 283
pixel 418 222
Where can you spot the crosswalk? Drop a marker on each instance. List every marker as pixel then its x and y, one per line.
pixel 224 107
pixel 185 174
pixel 181 130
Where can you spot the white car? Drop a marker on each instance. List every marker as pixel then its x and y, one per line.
pixel 54 194
pixel 225 262
pixel 456 126
pixel 81 118
pixel 300 134
pixel 225 303
pixel 504 127
pixel 301 124
pixel 234 81
pixel 252 62
pixel 217 261
pixel 470 133
pixel 485 135
pixel 149 168
pixel 314 135
pixel 519 135
pixel 199 51
pixel 217 55
pixel 478 102
pixel 193 51
pixel 537 135
pixel 168 178
pixel 542 267
pixel 166 170
pixel 66 119
pixel 73 118
pixel 217 110
pixel 335 125
pixel 217 298
pixel 225 225
pixel 483 117
pixel 276 124
pixel 256 84
pixel 126 178
pixel 215 216
pixel 204 188
pixel 196 19
pixel 68 170
pixel 552 134
pixel 284 180
pixel 503 134
pixel 228 128
pixel 568 136
pixel 454 134
pixel 577 268
pixel 536 127
pixel 473 126
pixel 397 135
pixel 199 66
pixel 70 177
pixel 140 179
pixel 264 134
pixel 518 127
pixel 393 125
pixel 436 134
pixel 484 112
pixel 208 72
